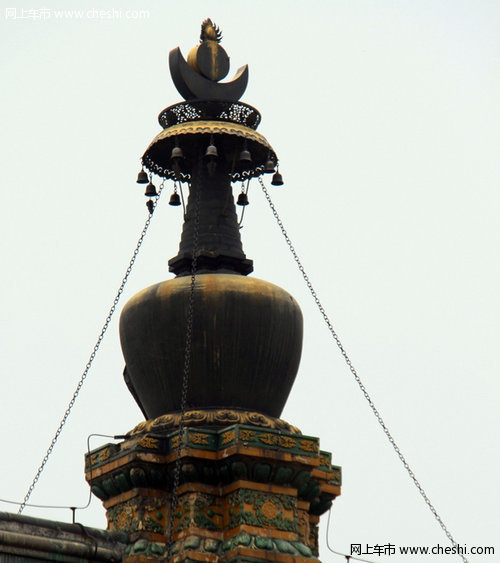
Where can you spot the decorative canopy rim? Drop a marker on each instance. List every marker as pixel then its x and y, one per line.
pixel 211 127
pixel 192 133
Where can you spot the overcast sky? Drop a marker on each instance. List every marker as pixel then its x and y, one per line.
pixel 385 117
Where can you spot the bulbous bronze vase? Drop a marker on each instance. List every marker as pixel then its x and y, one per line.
pixel 246 344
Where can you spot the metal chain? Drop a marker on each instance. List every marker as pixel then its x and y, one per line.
pixel 354 372
pixel 94 352
pixel 185 376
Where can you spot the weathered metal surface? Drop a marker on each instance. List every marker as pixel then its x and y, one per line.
pixel 192 85
pixel 210 60
pixel 246 345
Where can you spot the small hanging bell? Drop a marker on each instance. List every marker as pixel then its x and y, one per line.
pixel 150 205
pixel 210 157
pixel 242 199
pixel 150 190
pixel 269 166
pixel 175 199
pixel 277 179
pixel 211 151
pixel 142 177
pixel 177 154
pixel 245 157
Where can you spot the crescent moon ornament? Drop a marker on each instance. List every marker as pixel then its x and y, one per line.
pixel 207 63
pixel 192 85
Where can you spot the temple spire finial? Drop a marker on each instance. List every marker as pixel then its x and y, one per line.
pixel 210 31
pixel 207 63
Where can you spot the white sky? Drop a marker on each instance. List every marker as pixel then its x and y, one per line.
pixel 385 117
